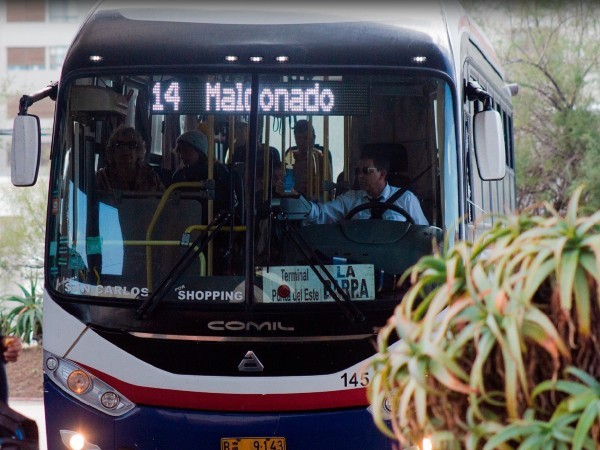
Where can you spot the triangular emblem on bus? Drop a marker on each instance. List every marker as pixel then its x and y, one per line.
pixel 250 363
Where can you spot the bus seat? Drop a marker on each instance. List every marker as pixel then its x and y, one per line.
pixel 342 186
pixel 124 221
pixel 398 157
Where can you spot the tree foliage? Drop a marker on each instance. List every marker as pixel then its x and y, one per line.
pixel 550 48
pixel 23 315
pixel 22 234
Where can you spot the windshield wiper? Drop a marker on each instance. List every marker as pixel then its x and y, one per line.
pixel 198 246
pixel 340 296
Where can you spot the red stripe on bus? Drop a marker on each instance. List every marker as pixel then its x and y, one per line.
pixel 144 395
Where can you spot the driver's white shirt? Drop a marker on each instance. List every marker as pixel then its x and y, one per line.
pixel 335 210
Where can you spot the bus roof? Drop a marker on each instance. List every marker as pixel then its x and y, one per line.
pixel 196 34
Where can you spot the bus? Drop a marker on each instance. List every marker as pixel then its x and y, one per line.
pixel 175 321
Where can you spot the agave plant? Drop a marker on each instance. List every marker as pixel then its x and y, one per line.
pixel 496 343
pixel 23 317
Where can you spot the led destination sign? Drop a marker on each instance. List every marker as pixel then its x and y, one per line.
pixel 297 97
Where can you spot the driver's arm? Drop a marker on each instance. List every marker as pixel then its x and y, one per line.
pixel 330 212
pixel 410 203
pixel 333 211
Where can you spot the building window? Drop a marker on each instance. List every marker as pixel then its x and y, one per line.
pixel 25 10
pixel 26 58
pixel 62 11
pixel 56 56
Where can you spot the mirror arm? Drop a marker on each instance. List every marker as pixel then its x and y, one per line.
pixel 474 92
pixel 27 100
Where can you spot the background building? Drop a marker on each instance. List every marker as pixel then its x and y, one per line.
pixel 34 37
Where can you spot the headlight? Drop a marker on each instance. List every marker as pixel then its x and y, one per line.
pixel 76 441
pixel 85 387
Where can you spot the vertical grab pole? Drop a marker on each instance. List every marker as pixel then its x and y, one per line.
pixel 311 165
pixel 250 198
pixel 326 184
pixel 231 139
pixel 266 160
pixel 211 173
pixel 347 148
pixel 284 147
pixel 326 170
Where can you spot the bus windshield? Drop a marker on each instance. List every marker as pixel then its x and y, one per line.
pixel 164 176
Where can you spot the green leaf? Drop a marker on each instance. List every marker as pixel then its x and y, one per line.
pixel 588 416
pixel 539 327
pixel 507 434
pixel 578 403
pixel 533 442
pixel 585 377
pixel 582 301
pixel 447 378
pixel 573 205
pixel 534 277
pixel 404 409
pixel 421 406
pixel 569 387
pixel 514 349
pixel 566 277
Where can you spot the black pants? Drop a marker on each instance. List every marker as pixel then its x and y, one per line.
pixel 3 382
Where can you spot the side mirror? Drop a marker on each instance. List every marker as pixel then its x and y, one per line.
pixel 489 145
pixel 25 150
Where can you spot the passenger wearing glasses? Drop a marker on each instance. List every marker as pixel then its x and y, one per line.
pixel 373 168
pixel 125 167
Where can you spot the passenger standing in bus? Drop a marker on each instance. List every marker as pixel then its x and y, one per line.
pixel 307 161
pixel 373 168
pixel 240 156
pixel 125 167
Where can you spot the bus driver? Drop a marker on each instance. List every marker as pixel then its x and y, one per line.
pixel 373 168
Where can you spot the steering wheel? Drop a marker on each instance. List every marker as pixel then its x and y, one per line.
pixel 380 205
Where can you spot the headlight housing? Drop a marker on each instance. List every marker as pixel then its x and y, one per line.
pixel 85 387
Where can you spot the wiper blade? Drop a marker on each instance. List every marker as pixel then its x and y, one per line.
pixel 198 246
pixel 340 296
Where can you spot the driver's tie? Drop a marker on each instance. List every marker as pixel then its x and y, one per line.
pixel 376 213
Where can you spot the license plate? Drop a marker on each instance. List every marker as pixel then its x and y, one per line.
pixel 253 443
